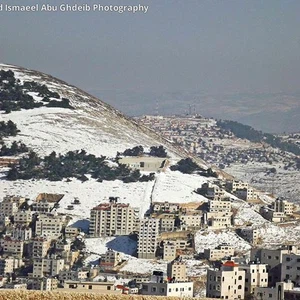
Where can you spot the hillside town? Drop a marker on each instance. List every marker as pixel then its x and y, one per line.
pixel 41 251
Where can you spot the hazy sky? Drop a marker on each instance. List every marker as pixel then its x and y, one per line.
pixel 221 46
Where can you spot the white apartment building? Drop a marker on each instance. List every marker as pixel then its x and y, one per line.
pixel 46 284
pixel 22 217
pixel 226 283
pixel 11 246
pixel 256 276
pixel 148 238
pixel 43 267
pixel 176 271
pixel 215 193
pixel 223 250
pixel 110 219
pixel 21 233
pixel 49 225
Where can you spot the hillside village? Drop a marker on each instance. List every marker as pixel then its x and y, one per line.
pixel 249 157
pixel 41 250
pixel 135 217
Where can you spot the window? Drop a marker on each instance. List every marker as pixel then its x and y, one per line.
pixel 90 287
pixel 153 289
pixel 108 288
pixel 240 277
pixel 239 287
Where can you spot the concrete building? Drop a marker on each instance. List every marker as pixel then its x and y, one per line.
pixel 256 276
pixel 284 206
pixel 40 247
pixel 220 222
pixel 9 264
pixel 290 268
pixel 21 233
pixel 11 246
pixel 47 267
pixel 72 275
pixel 236 185
pixel 4 219
pixel 274 259
pixel 22 217
pixel 174 289
pixel 246 194
pixel 110 259
pixel 226 283
pixel 215 193
pixel 172 247
pixel 148 238
pixel 145 163
pixel 90 287
pixel 166 222
pixel 165 207
pixel 279 292
pixel 191 220
pixel 220 252
pixel 216 206
pixel 250 234
pixel 45 284
pixel 10 204
pixel 42 206
pixel 176 271
pixel 49 225
pixel 110 219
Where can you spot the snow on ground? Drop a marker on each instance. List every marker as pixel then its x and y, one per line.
pixel 97 246
pixel 195 267
pixel 211 239
pixel 174 186
pixel 247 215
pixel 144 266
pixel 90 193
pixel 273 236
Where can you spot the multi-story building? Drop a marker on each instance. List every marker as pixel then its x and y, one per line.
pixel 110 219
pixel 250 234
pixel 284 206
pixel 176 271
pixel 172 247
pixel 290 268
pixel 10 204
pixel 246 194
pixel 45 284
pixel 220 252
pixel 165 207
pixel 191 220
pixel 9 264
pixel 256 276
pixel 274 260
pixel 47 266
pixel 40 247
pixel 42 206
pixel 4 219
pixel 234 185
pixel 226 283
pixel 49 225
pixel 215 193
pixel 166 222
pixel 148 238
pixel 22 217
pixel 281 291
pixel 110 259
pixel 216 206
pixel 78 275
pixel 11 246
pixel 21 233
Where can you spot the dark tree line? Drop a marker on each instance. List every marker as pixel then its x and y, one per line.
pixel 14 95
pixel 158 151
pixel 76 164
